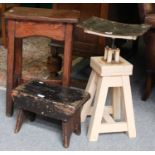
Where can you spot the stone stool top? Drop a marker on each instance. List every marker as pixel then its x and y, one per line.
pixel 49 100
pixel 103 68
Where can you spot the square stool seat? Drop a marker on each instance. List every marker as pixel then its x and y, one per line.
pixel 53 101
pixel 111 69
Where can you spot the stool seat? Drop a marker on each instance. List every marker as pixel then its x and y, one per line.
pixel 53 101
pixel 41 14
pixel 110 69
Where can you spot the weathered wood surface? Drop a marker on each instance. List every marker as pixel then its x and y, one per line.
pixel 72 125
pixel 68 127
pixel 49 100
pixel 40 14
pixel 25 29
pixel 27 22
pixel 112 29
pixel 54 101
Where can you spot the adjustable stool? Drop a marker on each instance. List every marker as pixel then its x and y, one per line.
pixel 119 116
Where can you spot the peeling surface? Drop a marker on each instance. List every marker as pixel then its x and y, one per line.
pixel 58 102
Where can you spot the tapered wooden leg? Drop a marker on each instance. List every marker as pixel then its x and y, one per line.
pixel 67 55
pixel 91 88
pixel 129 107
pixel 148 86
pixel 10 68
pixel 123 113
pixel 20 118
pixel 66 133
pixel 116 102
pixel 99 103
pixel 77 125
pixel 4 38
pixel 18 61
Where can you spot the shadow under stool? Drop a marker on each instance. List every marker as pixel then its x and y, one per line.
pixel 52 101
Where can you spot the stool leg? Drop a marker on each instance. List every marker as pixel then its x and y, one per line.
pixel 116 102
pixel 4 37
pixel 148 86
pixel 123 113
pixel 32 116
pixel 91 87
pixel 20 118
pixel 99 103
pixel 10 67
pixel 66 133
pixel 129 107
pixel 18 62
pixel 77 128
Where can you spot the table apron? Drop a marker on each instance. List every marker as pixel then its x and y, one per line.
pixel 52 30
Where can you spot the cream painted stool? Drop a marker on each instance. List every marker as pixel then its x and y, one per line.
pixel 119 116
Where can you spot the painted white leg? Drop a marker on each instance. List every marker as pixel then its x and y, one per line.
pixel 123 112
pixel 91 87
pixel 116 102
pixel 99 103
pixel 129 106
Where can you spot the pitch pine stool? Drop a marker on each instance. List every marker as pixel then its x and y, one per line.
pixel 119 116
pixel 52 101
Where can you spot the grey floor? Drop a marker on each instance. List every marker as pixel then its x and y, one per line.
pixel 44 135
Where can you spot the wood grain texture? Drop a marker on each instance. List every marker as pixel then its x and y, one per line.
pixel 26 29
pixel 10 67
pixel 40 14
pixel 25 22
pixel 54 101
pixel 20 118
pixel 18 61
pixel 3 24
pixel 67 55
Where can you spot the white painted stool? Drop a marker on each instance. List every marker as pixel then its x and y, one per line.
pixel 119 116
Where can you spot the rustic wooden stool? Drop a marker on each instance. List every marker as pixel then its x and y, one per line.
pixel 26 22
pixel 119 116
pixel 52 101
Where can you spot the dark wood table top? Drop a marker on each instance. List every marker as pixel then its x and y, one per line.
pixel 40 14
pixel 62 101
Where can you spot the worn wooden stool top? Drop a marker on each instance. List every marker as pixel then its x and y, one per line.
pixel 49 100
pixel 40 14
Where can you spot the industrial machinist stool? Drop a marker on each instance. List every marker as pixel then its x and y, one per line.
pixel 119 116
pixel 53 101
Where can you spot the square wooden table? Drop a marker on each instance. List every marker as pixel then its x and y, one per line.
pixel 25 22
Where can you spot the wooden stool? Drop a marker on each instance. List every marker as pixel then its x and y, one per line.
pixel 25 22
pixel 119 116
pixel 52 101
